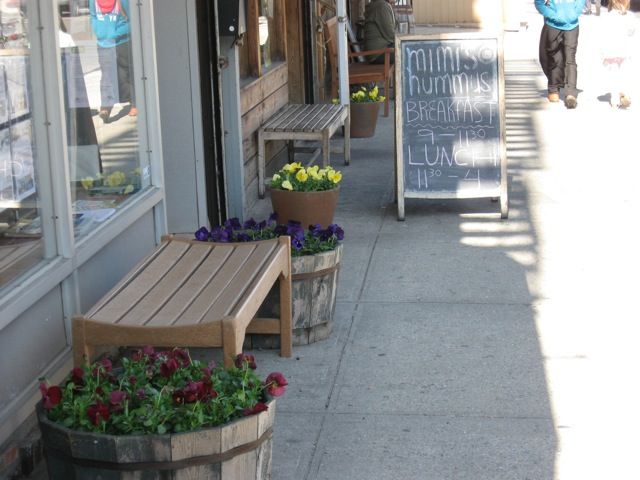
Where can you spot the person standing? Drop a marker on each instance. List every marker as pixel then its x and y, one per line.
pixel 110 23
pixel 620 43
pixel 558 46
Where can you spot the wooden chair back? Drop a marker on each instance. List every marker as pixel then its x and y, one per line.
pixel 359 73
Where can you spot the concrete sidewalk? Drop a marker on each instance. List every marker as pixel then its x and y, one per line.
pixel 468 347
pixel 473 348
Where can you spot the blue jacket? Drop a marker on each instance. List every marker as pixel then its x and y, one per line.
pixel 111 29
pixel 560 14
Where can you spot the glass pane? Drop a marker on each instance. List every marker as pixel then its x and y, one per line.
pixel 106 168
pixel 21 244
pixel 266 31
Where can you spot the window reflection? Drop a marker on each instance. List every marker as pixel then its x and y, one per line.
pixel 21 244
pixel 106 169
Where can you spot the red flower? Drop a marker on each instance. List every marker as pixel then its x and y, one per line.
pixel 275 384
pixel 167 368
pixel 149 351
pixel 77 376
pixel 259 407
pixel 133 380
pixel 51 396
pixel 250 360
pixel 178 397
pixel 141 394
pixel 98 413
pixel 104 367
pixel 116 399
pixel 182 356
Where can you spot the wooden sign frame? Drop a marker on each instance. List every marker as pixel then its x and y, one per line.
pixel 501 192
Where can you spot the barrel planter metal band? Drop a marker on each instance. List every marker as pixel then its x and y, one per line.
pixel 238 450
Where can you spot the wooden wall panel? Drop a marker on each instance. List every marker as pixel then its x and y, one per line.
pixel 259 100
pixel 258 90
pixel 483 13
pixel 295 50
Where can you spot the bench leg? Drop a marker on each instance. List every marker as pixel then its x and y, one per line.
pixel 326 148
pixel 232 340
pixel 291 151
pixel 260 164
pixel 386 96
pixel 347 138
pixel 82 353
pixel 285 316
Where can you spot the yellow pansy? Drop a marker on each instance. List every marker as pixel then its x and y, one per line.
pixel 289 167
pixel 87 183
pixel 128 189
pixel 337 176
pixel 287 185
pixel 276 177
pixel 302 176
pixel 115 179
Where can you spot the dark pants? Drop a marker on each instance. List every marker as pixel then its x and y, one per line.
pixel 558 58
pixel 117 73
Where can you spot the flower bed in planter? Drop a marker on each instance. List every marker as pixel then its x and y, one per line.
pixel 160 415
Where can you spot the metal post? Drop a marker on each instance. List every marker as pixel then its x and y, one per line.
pixel 343 67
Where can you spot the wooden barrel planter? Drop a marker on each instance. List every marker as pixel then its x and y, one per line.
pixel 236 451
pixel 314 285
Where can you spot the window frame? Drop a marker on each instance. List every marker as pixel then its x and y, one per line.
pixel 64 253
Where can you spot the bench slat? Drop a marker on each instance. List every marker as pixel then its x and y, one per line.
pixel 242 281
pixel 173 312
pixel 328 118
pixel 320 120
pixel 139 285
pixel 164 291
pixel 196 312
pixel 313 119
pixel 281 115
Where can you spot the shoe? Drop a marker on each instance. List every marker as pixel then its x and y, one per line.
pixel 553 97
pixel 625 102
pixel 104 114
pixel 133 112
pixel 570 102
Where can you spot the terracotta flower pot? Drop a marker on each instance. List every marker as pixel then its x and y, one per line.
pixel 308 208
pixel 364 118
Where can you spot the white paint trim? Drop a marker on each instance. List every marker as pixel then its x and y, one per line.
pixel 343 66
pixel 196 102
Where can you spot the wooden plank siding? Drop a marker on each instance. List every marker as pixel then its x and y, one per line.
pixel 482 13
pixel 259 100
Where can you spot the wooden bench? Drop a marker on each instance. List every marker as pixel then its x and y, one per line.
pixel 192 294
pixel 304 122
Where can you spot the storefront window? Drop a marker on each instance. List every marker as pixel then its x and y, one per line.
pixel 21 243
pixel 106 169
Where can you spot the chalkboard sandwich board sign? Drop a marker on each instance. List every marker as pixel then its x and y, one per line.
pixel 450 121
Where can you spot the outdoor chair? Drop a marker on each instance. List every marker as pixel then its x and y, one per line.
pixel 359 70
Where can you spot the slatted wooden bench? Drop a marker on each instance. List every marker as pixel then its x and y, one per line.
pixel 304 122
pixel 192 294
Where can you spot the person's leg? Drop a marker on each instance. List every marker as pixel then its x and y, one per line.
pixel 108 79
pixel 570 47
pixel 125 74
pixel 551 53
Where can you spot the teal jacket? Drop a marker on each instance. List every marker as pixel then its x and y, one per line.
pixel 560 14
pixel 111 29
